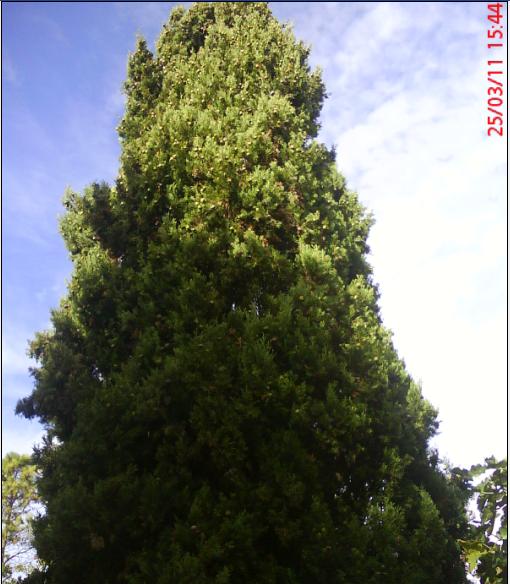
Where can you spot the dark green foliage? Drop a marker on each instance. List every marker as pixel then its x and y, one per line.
pixel 222 401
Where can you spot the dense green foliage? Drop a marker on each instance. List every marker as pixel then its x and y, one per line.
pixel 19 501
pixel 221 399
pixel 486 549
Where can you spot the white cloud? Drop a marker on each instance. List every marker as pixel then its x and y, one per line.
pixel 385 23
pixel 407 114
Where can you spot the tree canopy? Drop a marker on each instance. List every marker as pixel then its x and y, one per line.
pixel 222 401
pixel 486 549
pixel 19 502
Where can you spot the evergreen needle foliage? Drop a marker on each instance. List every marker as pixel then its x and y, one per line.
pixel 222 402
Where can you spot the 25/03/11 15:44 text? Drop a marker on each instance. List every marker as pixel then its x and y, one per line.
pixel 495 88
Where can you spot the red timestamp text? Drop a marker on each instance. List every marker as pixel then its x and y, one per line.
pixel 495 69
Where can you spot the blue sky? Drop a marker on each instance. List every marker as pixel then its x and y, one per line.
pixel 406 112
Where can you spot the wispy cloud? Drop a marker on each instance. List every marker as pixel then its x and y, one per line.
pixel 17 438
pixel 32 200
pixel 93 143
pixel 51 294
pixel 11 75
pixel 148 17
pixel 14 358
pixel 50 26
pixel 15 387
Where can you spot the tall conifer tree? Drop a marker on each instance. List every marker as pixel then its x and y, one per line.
pixel 222 402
